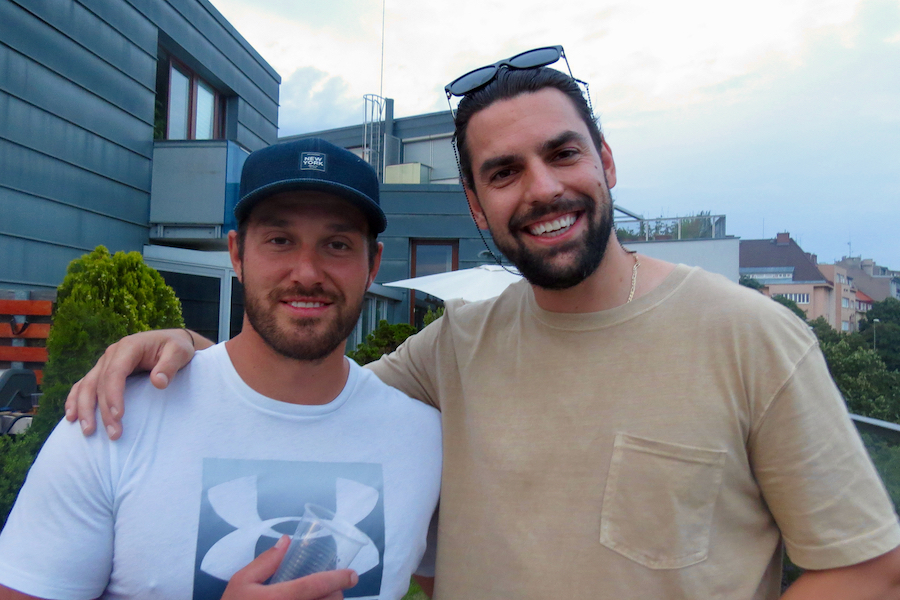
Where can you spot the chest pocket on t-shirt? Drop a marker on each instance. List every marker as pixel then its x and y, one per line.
pixel 659 501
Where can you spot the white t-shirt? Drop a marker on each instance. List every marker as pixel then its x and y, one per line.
pixel 208 474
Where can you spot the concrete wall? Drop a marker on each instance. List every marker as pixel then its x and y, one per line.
pixel 715 255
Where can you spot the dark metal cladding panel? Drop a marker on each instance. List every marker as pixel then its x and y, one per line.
pixel 393 270
pixel 71 144
pixel 249 138
pixel 40 219
pixel 262 132
pixel 29 81
pixel 32 37
pixel 31 264
pixel 448 227
pixel 128 21
pixel 99 37
pixel 42 175
pixel 424 125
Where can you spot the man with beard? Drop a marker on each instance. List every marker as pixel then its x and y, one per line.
pixel 212 469
pixel 615 427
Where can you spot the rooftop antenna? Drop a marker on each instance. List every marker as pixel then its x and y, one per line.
pixel 381 80
pixel 373 118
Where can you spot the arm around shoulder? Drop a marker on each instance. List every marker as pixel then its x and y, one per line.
pixel 162 352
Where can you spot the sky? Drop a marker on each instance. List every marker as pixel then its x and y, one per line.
pixel 782 115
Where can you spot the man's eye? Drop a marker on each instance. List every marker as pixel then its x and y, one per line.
pixel 501 175
pixel 566 154
pixel 279 241
pixel 339 245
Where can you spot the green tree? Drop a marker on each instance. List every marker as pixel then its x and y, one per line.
pixel 750 282
pixel 791 305
pixel 102 298
pixel 825 332
pixel 883 335
pixel 869 388
pixel 383 340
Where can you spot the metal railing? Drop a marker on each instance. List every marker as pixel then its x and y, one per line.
pixel 882 440
pixel 678 228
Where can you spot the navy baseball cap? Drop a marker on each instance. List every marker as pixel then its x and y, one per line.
pixel 310 164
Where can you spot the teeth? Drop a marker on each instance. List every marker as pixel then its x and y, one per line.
pixel 306 304
pixel 553 226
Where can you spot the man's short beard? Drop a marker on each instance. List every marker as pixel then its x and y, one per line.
pixel 535 266
pixel 303 344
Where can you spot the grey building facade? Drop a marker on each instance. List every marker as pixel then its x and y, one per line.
pixel 105 103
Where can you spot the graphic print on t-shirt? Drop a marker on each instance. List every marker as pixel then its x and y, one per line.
pixel 247 505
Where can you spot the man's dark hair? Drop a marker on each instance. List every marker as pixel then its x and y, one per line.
pixel 510 83
pixel 372 239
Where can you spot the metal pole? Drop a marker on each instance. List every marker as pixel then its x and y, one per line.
pixel 875 334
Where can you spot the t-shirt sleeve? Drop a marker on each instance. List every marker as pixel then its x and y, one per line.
pixel 411 368
pixel 58 539
pixel 816 475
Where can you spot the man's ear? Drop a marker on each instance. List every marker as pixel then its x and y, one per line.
pixel 609 165
pixel 233 253
pixel 475 208
pixel 376 263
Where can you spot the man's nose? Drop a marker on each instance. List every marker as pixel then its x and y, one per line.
pixel 307 268
pixel 542 184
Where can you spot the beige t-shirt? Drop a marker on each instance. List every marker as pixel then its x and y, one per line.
pixel 653 450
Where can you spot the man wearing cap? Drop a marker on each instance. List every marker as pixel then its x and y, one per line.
pixel 212 470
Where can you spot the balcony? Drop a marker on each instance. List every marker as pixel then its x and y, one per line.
pixel 668 229
pixel 194 188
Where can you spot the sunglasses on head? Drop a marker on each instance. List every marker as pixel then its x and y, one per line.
pixel 530 59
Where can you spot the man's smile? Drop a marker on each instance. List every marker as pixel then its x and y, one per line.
pixel 553 227
pixel 299 304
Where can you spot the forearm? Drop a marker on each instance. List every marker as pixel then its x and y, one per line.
pixel 9 594
pixel 199 342
pixel 876 579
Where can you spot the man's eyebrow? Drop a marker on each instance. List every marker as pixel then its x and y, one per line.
pixel 346 226
pixel 562 139
pixel 339 226
pixel 271 221
pixel 498 161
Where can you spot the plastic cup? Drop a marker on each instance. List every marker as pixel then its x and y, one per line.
pixel 322 542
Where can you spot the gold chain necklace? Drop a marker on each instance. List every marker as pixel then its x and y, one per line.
pixel 637 263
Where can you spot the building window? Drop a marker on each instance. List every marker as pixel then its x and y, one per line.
pixel 237 308
pixel 845 326
pixel 374 311
pixel 199 298
pixel 187 107
pixel 845 302
pixel 429 257
pixel 798 298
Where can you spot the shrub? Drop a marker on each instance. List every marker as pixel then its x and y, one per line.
pixel 383 340
pixel 102 298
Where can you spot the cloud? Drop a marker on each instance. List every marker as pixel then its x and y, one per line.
pixel 804 142
pixel 313 100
